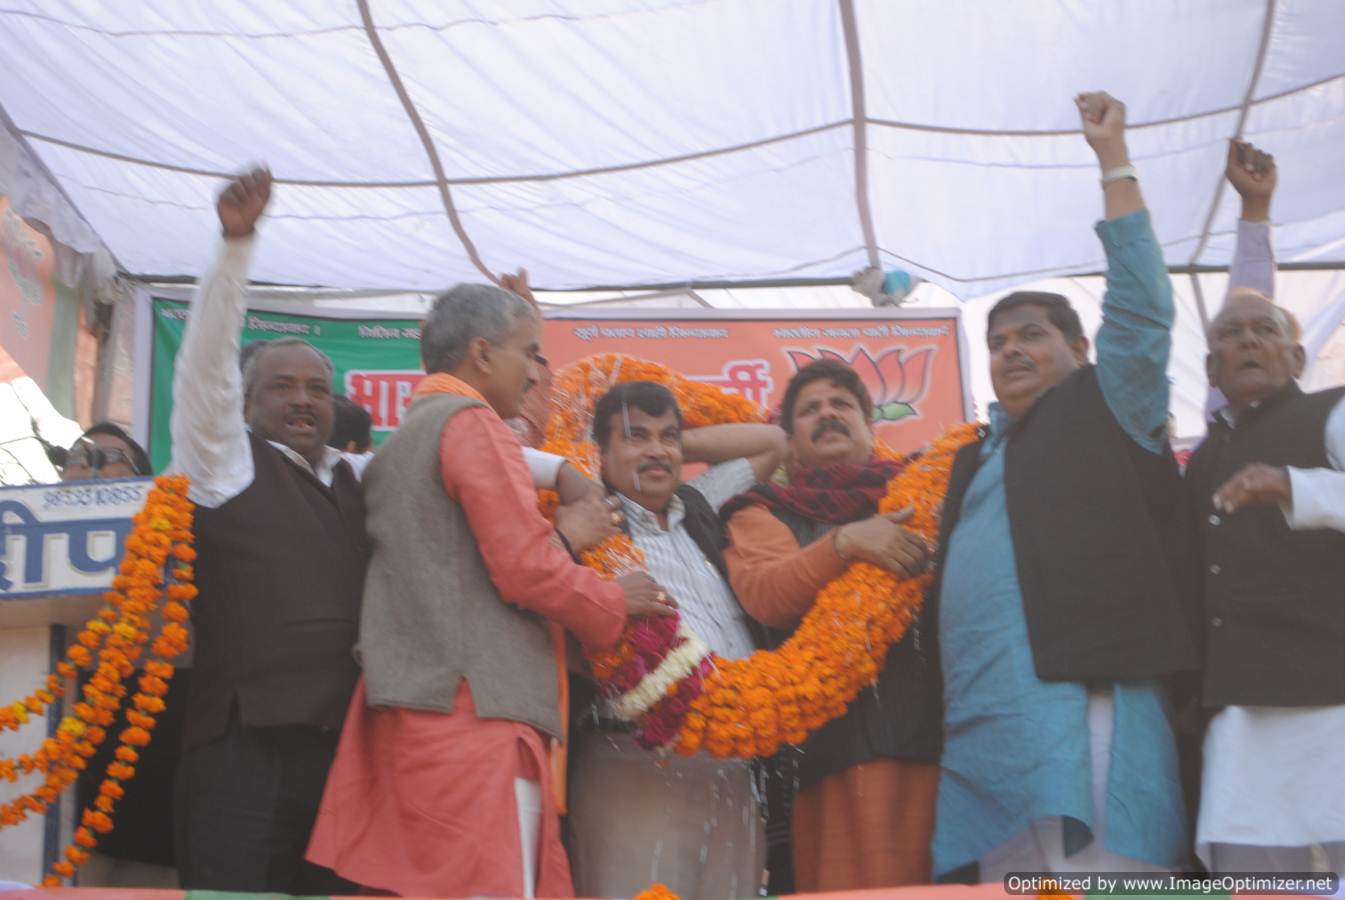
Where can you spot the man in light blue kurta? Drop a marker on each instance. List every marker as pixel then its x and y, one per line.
pixel 1056 775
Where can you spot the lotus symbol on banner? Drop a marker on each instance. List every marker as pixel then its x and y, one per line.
pixel 897 379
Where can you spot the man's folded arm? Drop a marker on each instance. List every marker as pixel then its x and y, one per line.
pixel 484 471
pixel 775 579
pixel 1318 495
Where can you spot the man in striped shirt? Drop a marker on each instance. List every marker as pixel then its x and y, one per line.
pixel 693 824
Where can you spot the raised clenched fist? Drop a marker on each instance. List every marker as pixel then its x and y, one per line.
pixel 1252 173
pixel 242 202
pixel 1104 126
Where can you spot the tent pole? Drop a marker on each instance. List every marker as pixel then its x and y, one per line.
pixel 1200 301
pixel 861 126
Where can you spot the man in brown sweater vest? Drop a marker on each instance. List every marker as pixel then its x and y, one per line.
pixel 443 783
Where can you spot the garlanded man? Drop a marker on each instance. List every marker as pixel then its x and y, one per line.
pixel 443 783
pixel 281 556
pixel 1267 495
pixel 1058 601
pixel 691 823
pixel 865 806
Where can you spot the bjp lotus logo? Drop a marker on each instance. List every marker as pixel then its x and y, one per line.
pixel 896 380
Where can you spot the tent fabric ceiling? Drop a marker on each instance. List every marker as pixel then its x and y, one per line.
pixel 635 142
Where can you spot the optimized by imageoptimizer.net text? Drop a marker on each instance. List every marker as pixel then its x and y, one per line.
pixel 1140 884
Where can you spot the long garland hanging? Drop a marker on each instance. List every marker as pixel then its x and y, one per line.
pixel 664 679
pixel 110 645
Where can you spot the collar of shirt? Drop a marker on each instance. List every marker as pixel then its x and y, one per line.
pixel 444 383
pixel 330 457
pixel 640 518
pixel 1228 417
pixel 1000 422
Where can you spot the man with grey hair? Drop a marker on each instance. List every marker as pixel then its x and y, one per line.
pixel 280 566
pixel 449 775
pixel 1266 492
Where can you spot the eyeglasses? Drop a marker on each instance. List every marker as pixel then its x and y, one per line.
pixel 87 453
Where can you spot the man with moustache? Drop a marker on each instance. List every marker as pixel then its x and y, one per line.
pixel 865 804
pixel 280 564
pixel 443 782
pixel 1267 495
pixel 1058 604
pixel 691 823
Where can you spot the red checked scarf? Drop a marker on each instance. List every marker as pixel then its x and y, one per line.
pixel 837 493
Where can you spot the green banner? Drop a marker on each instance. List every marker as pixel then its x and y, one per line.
pixel 377 363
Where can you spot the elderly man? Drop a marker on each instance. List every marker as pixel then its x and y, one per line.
pixel 443 784
pixel 1058 607
pixel 1267 495
pixel 281 555
pixel 865 806
pixel 693 824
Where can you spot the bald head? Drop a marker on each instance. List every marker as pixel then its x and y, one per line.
pixel 1253 349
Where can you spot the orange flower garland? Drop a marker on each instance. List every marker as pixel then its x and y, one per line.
pixel 748 707
pixel 118 634
pixel 656 892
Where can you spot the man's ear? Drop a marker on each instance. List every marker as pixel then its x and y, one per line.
pixel 1209 369
pixel 1300 360
pixel 1079 347
pixel 479 354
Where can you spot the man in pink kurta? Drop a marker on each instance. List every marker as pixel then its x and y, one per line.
pixel 442 783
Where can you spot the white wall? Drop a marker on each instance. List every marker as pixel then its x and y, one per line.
pixel 24 662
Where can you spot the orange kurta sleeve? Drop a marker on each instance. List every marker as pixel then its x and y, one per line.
pixel 483 469
pixel 775 579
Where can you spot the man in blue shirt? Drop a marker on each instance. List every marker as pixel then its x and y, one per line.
pixel 1058 607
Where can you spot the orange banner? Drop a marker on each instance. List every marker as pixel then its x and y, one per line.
pixel 911 362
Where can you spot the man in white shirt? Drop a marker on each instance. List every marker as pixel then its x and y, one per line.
pixel 1267 493
pixel 691 823
pixel 280 567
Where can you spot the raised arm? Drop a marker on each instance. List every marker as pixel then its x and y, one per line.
pixel 1135 339
pixel 763 446
pixel 1253 175
pixel 1104 125
pixel 210 443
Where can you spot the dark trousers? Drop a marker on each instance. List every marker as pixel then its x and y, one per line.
pixel 144 816
pixel 245 806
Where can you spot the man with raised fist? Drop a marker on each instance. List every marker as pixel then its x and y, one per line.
pixel 281 558
pixel 1059 600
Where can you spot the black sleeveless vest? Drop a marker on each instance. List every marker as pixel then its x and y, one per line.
pixel 899 717
pixel 1099 536
pixel 280 570
pixel 1274 599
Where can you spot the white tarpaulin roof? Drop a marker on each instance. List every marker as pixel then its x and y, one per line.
pixel 627 142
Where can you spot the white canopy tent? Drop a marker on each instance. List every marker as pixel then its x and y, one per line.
pixel 686 143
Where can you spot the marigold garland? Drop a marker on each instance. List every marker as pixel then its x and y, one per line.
pixel 658 891
pixel 116 638
pixel 662 678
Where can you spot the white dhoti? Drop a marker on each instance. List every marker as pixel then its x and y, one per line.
pixel 1272 796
